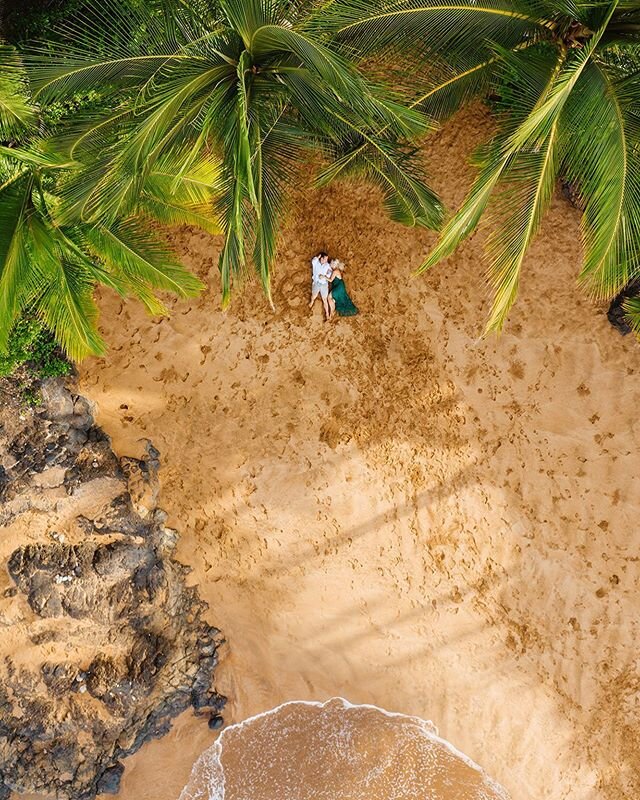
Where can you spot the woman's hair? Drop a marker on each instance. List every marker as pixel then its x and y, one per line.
pixel 337 264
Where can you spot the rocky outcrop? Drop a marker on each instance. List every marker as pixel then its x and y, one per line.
pixel 616 313
pixel 103 642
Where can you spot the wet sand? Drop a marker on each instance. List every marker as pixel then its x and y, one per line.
pixel 336 750
pixel 391 510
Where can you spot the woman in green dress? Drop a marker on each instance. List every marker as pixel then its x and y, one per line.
pixel 339 300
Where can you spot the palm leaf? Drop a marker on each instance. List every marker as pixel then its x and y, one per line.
pixel 63 296
pixel 516 220
pixel 532 73
pixel 132 252
pixel 16 112
pixel 330 66
pixel 429 28
pixel 243 165
pixel 247 16
pixel 632 315
pixel 15 263
pixel 101 49
pixel 397 174
pixel 232 260
pixel 36 157
pixel 176 196
pixel 601 160
pixel 277 154
pixel 452 86
pixel 538 123
pixel 170 213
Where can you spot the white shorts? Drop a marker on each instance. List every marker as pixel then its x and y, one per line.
pixel 321 288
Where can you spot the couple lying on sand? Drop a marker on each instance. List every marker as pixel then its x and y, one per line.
pixel 327 281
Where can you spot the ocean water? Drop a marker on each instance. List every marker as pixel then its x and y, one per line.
pixel 336 751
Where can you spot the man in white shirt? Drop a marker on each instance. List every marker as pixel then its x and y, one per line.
pixel 321 273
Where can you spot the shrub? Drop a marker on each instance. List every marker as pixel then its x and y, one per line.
pixel 32 345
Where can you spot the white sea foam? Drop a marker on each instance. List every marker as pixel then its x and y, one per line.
pixel 338 742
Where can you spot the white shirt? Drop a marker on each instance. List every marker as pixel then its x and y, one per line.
pixel 321 272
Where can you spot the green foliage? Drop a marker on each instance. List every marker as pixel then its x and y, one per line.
pixel 56 114
pixel 29 19
pixel 32 345
pixel 203 112
pixel 565 77
pixel 256 83
pixel 632 309
pixel 16 113
pixel 51 256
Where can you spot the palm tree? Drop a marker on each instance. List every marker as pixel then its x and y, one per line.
pixel 50 258
pixel 567 77
pixel 256 83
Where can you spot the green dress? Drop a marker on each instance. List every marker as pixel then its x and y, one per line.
pixel 344 304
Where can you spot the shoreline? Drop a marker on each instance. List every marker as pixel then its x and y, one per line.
pixel 215 772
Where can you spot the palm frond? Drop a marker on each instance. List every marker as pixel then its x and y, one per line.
pixel 452 86
pixel 131 251
pixel 243 162
pixel 15 262
pixel 336 71
pixel 16 112
pixel 236 224
pixel 601 161
pixel 110 43
pixel 399 176
pixel 249 16
pixel 429 28
pixel 277 155
pixel 62 295
pixel 538 124
pixel 35 157
pixel 530 73
pixel 466 219
pixel 516 219
pixel 173 195
pixel 632 314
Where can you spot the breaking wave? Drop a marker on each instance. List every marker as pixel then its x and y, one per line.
pixel 336 751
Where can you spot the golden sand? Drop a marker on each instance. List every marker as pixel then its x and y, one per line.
pixel 393 511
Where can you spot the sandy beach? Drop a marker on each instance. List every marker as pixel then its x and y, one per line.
pixel 391 509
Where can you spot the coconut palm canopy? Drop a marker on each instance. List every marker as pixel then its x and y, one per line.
pixel 568 75
pixel 254 82
pixel 248 87
pixel 50 258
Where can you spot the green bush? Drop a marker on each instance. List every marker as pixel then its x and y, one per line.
pixel 29 19
pixel 32 345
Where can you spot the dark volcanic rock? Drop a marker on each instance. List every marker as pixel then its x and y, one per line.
pixel 109 782
pixel 616 313
pixel 118 643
